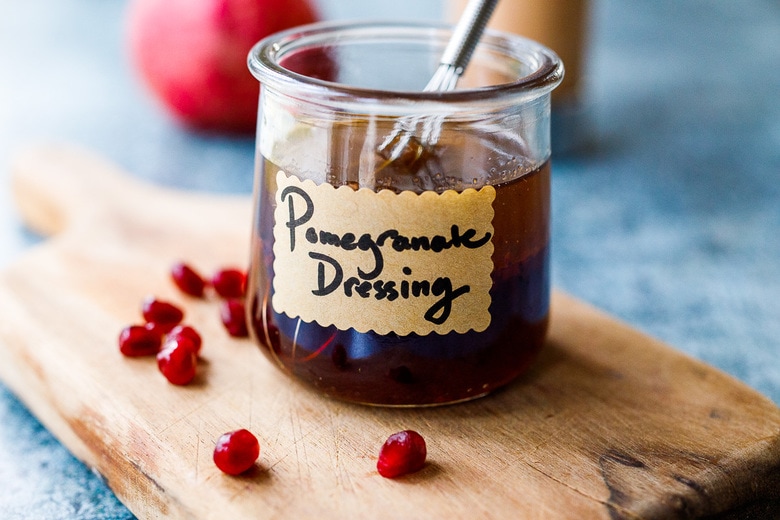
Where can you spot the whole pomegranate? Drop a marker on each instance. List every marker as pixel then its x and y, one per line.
pixel 192 54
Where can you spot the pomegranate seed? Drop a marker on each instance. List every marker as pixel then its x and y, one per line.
pixel 229 283
pixel 161 330
pixel 164 315
pixel 401 374
pixel 275 338
pixel 236 451
pixel 189 333
pixel 403 452
pixel 269 334
pixel 233 317
pixel 178 360
pixel 138 340
pixel 187 279
pixel 339 356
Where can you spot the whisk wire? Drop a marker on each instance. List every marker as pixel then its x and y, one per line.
pixel 454 60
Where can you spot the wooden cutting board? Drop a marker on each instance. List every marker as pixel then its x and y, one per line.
pixel 609 423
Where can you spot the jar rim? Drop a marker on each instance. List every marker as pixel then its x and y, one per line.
pixel 266 55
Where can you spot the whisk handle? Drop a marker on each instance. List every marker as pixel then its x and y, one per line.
pixel 467 33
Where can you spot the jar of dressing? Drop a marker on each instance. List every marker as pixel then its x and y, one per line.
pixel 404 276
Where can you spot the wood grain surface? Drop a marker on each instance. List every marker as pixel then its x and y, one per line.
pixel 609 423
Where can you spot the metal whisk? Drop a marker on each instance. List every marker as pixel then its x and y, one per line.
pixel 425 130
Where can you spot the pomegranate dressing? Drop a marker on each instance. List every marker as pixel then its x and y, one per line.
pixel 415 274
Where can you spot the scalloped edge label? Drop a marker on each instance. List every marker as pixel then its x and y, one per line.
pixel 383 261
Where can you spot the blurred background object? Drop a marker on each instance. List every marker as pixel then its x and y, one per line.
pixel 564 26
pixel 192 55
pixel 668 222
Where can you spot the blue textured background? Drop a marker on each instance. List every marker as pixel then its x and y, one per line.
pixel 669 222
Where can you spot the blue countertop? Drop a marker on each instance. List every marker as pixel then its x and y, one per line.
pixel 669 220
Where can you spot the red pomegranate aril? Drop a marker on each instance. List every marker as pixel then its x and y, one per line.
pixel 188 332
pixel 403 452
pixel 229 283
pixel 339 356
pixel 160 330
pixel 178 360
pixel 138 340
pixel 233 317
pixel 163 314
pixel 187 279
pixel 236 451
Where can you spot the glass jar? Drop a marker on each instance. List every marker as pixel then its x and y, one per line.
pixel 400 247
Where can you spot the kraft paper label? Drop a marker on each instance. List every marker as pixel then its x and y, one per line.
pixel 383 261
